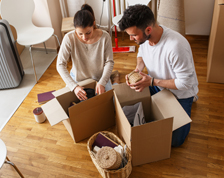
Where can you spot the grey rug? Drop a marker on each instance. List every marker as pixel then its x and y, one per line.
pixel 10 99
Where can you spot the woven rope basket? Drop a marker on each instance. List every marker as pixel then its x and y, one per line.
pixel 106 173
pixel 134 77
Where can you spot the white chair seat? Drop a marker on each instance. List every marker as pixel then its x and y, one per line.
pixel 116 19
pixel 28 38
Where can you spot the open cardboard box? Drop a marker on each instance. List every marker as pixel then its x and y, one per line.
pixel 85 118
pixel 215 62
pixel 151 141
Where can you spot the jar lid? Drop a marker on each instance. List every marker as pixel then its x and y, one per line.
pixel 108 158
pixel 134 77
pixel 38 111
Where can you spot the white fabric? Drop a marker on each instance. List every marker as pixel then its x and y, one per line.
pixel 171 58
pixel 88 60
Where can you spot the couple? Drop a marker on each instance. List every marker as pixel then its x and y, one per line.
pixel 165 53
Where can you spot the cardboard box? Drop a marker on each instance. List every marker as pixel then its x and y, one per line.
pixel 215 60
pixel 151 141
pixel 85 118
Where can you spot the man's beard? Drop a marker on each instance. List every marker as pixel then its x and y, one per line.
pixel 145 37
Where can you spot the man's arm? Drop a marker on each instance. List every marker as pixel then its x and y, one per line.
pixel 140 64
pixel 146 82
pixel 165 83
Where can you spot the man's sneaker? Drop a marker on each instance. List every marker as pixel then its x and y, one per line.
pixel 195 98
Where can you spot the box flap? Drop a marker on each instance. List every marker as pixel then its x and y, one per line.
pixel 151 142
pixel 61 91
pixel 123 126
pixel 93 115
pixel 127 96
pixel 170 107
pixel 67 125
pixel 88 83
pixel 54 112
pixel 220 2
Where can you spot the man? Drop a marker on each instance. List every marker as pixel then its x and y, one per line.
pixel 168 58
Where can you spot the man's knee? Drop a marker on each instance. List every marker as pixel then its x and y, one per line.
pixel 180 135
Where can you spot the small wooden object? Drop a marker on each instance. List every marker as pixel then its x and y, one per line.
pixel 134 77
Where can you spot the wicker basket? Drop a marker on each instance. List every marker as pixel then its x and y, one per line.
pixel 105 173
pixel 134 77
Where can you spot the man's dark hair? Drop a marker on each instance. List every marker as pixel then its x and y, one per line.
pixel 84 17
pixel 138 15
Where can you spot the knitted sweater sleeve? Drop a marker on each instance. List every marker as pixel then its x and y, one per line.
pixel 62 61
pixel 109 62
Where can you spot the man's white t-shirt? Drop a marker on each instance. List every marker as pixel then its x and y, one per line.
pixel 171 58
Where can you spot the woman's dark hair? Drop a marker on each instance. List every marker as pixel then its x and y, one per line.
pixel 138 15
pixel 84 17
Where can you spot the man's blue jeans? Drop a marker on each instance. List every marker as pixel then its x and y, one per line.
pixel 180 134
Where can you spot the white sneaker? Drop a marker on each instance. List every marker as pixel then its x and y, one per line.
pixel 195 98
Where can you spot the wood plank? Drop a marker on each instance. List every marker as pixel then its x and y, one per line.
pixel 42 151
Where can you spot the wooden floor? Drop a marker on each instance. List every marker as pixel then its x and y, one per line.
pixel 42 151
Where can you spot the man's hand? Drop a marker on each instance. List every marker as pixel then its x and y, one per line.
pixel 100 89
pixel 80 93
pixel 140 85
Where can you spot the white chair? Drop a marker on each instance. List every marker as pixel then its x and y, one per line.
pixel 19 14
pixel 5 159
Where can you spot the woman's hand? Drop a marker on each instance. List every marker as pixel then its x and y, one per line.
pixel 80 93
pixel 100 89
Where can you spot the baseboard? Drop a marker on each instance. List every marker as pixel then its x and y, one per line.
pixel 43 49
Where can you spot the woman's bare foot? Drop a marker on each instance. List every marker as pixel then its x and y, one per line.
pixel 115 77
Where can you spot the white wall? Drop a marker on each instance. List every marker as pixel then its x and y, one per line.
pixel 198 16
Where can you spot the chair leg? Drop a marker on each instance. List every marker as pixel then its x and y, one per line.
pixel 7 161
pixel 33 64
pixel 45 48
pixel 111 30
pixel 57 39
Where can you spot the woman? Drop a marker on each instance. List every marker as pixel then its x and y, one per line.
pixel 91 54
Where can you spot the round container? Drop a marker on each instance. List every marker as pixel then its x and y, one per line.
pixel 108 158
pixel 39 115
pixel 134 77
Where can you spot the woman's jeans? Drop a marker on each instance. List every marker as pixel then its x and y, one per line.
pixel 181 133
